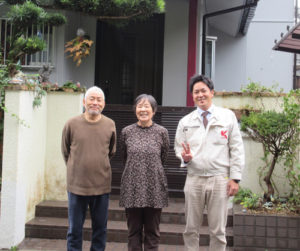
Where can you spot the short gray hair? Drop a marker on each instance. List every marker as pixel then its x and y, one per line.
pixel 94 89
pixel 147 97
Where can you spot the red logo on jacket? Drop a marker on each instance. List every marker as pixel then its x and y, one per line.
pixel 223 134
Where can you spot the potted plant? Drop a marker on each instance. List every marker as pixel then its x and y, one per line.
pixel 79 47
pixel 69 86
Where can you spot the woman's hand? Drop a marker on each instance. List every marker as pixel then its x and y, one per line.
pixel 186 153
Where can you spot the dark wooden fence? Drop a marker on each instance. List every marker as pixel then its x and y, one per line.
pixel 168 117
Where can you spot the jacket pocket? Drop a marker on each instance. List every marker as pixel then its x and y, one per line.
pixel 219 135
pixel 192 135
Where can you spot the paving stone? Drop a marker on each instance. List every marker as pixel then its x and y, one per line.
pixel 32 244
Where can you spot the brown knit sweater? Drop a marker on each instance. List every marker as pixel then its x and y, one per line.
pixel 87 148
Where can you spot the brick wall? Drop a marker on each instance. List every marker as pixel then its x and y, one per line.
pixel 265 232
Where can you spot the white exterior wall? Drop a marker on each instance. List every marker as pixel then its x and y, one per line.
pixel 24 151
pixel 33 169
pixel 61 107
pixel 250 176
pixel 175 53
pixel 251 56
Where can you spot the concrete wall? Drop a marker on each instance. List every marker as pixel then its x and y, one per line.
pixel 24 151
pixel 238 100
pixel 175 53
pixel 33 169
pixel 60 107
pixel 251 177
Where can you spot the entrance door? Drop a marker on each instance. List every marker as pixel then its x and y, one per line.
pixel 129 60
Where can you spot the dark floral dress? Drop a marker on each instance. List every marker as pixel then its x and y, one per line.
pixel 144 151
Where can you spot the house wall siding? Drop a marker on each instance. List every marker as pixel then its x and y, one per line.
pixel 251 56
pixel 175 53
pixel 231 61
pixel 65 69
pixel 264 64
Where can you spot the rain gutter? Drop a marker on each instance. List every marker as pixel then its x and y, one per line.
pixel 213 14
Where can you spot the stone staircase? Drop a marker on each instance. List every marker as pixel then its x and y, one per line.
pixel 51 222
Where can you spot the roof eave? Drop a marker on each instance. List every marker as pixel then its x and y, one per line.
pixel 290 41
pixel 247 17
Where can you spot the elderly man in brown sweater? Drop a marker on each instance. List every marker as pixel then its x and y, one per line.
pixel 88 143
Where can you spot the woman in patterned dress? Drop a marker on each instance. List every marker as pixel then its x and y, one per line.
pixel 144 191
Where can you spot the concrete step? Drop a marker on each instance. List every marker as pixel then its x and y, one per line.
pixel 56 228
pixel 173 214
pixel 34 244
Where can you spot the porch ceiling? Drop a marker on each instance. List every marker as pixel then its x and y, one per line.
pixel 231 23
pixel 290 42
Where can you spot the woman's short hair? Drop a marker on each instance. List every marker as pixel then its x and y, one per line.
pixel 147 97
pixel 201 78
pixel 94 89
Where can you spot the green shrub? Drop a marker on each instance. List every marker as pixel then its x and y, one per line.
pixel 279 133
pixel 247 199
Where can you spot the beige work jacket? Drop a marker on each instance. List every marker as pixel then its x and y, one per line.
pixel 216 150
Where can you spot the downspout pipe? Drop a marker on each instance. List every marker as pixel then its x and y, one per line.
pixel 213 14
pixel 295 54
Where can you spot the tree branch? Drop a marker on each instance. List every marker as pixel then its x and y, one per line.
pixel 118 17
pixel 91 14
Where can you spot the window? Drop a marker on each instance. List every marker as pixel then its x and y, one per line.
pixel 46 32
pixel 210 55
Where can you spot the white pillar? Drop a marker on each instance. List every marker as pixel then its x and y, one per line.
pixel 23 164
pixel 33 168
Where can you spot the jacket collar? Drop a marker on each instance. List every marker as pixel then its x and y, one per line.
pixel 215 115
pixel 197 113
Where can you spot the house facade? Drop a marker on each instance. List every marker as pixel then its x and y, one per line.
pixel 159 55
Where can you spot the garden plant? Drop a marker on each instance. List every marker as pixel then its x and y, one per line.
pixel 279 133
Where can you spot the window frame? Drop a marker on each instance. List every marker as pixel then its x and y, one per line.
pixel 212 40
pixel 50 48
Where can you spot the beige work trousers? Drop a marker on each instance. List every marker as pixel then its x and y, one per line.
pixel 212 193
